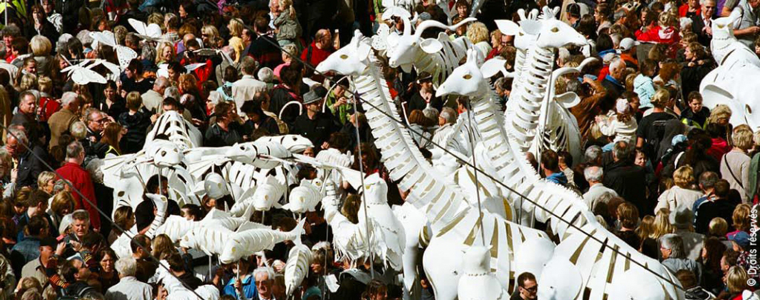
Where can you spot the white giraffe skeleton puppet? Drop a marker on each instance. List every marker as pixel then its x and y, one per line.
pixel 455 225
pixel 576 253
pixel 726 84
pixel 537 117
pixel 438 56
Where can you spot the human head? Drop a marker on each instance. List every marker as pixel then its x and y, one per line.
pixel 736 278
pixel 323 39
pixel 617 69
pixel 628 215
pixel 126 266
pixel 70 101
pixel 81 223
pixel 661 98
pixel 683 176
pixel 27 103
pixel 742 137
pixel 75 152
pixel 95 120
pixel 448 116
pixel 527 285
pixel 671 246
pixel 63 203
pixel 124 217
pixel 141 246
pixel 687 278
pixel 621 151
pixel 264 277
pixel 593 174
pixel 550 161
pixel 718 227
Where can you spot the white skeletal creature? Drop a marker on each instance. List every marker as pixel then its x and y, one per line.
pixel 578 248
pixel 177 129
pixel 453 223
pixel 436 56
pixel 478 283
pixel 726 84
pixel 297 266
pixel 377 209
pixel 303 198
pixel 247 243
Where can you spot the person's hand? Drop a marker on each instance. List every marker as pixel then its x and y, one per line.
pixel 238 284
pixel 60 248
pixel 153 118
pixel 598 119
pixel 197 122
pixel 691 64
pixel 307 228
pixel 341 101
pixel 14 175
pixel 708 30
pixel 325 145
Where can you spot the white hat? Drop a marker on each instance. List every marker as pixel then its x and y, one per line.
pixel 621 106
pixel 64 224
pixel 626 44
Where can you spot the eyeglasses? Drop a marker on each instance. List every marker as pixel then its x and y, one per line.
pixel 532 289
pixel 264 282
pixel 102 120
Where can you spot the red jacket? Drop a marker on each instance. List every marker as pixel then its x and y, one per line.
pixel 316 56
pixel 81 181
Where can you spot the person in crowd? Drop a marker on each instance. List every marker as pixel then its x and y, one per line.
pixel 129 287
pixel 527 287
pixel 674 256
pixel 313 123
pixel 227 130
pixel 30 157
pixel 81 181
pixel 734 166
pixel 625 178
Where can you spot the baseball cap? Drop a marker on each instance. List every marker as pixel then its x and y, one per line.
pixel 741 238
pixel 626 44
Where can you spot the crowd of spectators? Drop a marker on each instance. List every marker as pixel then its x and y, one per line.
pixel 667 175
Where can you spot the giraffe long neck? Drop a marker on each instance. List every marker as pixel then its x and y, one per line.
pixel 401 156
pixel 512 167
pixel 524 107
pixel 440 64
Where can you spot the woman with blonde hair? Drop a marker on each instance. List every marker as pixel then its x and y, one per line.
pixel 236 31
pixel 477 33
pixel 63 204
pixel 209 35
pixel 124 218
pixel 740 219
pixel 736 281
pixel 165 53
pixel 286 24
pixel 735 165
pixel 679 195
pixel 662 224
pixel 162 247
pixel 645 231
pixel 41 49
pixel 46 182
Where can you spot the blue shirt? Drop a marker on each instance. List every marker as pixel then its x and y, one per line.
pixel 249 288
pixel 558 178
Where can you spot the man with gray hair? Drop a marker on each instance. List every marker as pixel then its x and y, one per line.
pixel 614 83
pixel 61 120
pixel 12 70
pixel 245 88
pixel 674 255
pixel 79 177
pixel 597 192
pixel 264 277
pixel 29 165
pixel 443 135
pixel 128 288
pixel 153 97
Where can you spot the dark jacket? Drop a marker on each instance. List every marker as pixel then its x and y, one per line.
pixel 69 10
pixel 628 181
pixel 217 137
pixel 317 130
pixel 137 127
pixel 29 167
pixel 416 102
pixel 708 210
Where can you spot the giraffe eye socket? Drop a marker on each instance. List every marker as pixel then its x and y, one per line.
pixel 343 56
pixel 468 76
pixel 555 29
